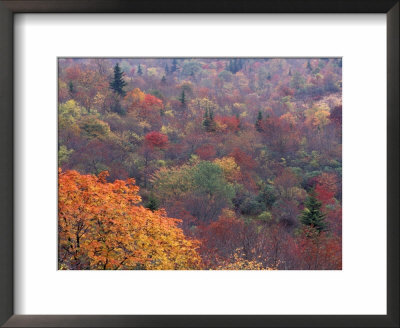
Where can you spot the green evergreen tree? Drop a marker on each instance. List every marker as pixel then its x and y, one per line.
pixel 117 84
pixel 290 72
pixel 309 66
pixel 182 98
pixel 174 66
pixel 71 88
pixel 235 65
pixel 258 123
pixel 152 204
pixel 230 66
pixel 163 80
pixel 139 70
pixel 206 120
pixel 211 114
pixel 212 125
pixel 312 214
pixel 269 77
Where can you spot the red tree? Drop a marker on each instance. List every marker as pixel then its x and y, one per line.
pixel 156 139
pixel 206 152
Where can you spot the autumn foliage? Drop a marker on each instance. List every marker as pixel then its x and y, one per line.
pixel 200 163
pixel 102 227
pixel 156 139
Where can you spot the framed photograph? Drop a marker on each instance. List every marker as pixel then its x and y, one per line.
pixel 207 164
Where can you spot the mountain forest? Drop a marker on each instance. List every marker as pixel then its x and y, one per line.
pixel 200 164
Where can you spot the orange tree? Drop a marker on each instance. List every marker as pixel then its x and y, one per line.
pixel 101 226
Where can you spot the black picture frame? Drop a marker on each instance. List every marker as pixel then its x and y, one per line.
pixel 10 7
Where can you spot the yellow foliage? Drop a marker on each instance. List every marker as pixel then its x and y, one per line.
pixel 134 98
pixel 317 116
pixel 201 104
pixel 229 167
pixel 220 127
pixel 238 262
pixel 154 71
pixel 165 129
pixel 144 125
pixel 102 227
pixel 227 213
pixel 289 119
pixel 169 113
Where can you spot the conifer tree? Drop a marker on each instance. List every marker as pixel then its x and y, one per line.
pixel 211 126
pixel 182 98
pixel 258 122
pixel 229 66
pixel 206 121
pixel 152 204
pixel 235 65
pixel 174 66
pixel 309 65
pixel 163 79
pixel 139 70
pixel 312 214
pixel 71 88
pixel 211 114
pixel 117 84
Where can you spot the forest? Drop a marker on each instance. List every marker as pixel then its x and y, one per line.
pixel 200 163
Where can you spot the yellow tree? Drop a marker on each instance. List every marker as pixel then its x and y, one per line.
pixel 102 227
pixel 317 116
pixel 230 169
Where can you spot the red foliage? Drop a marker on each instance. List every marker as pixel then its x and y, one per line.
pixel 73 72
pixel 152 102
pixel 318 251
pixel 336 116
pixel 206 152
pixel 324 195
pixel 248 181
pixel 231 122
pixel 280 134
pixel 177 209
pixel 220 239
pixel 284 91
pixel 225 227
pixel 326 187
pixel 334 219
pixel 203 92
pixel 156 139
pixel 175 150
pixel 287 179
pixel 242 159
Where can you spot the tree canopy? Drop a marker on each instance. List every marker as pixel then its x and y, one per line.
pixel 213 163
